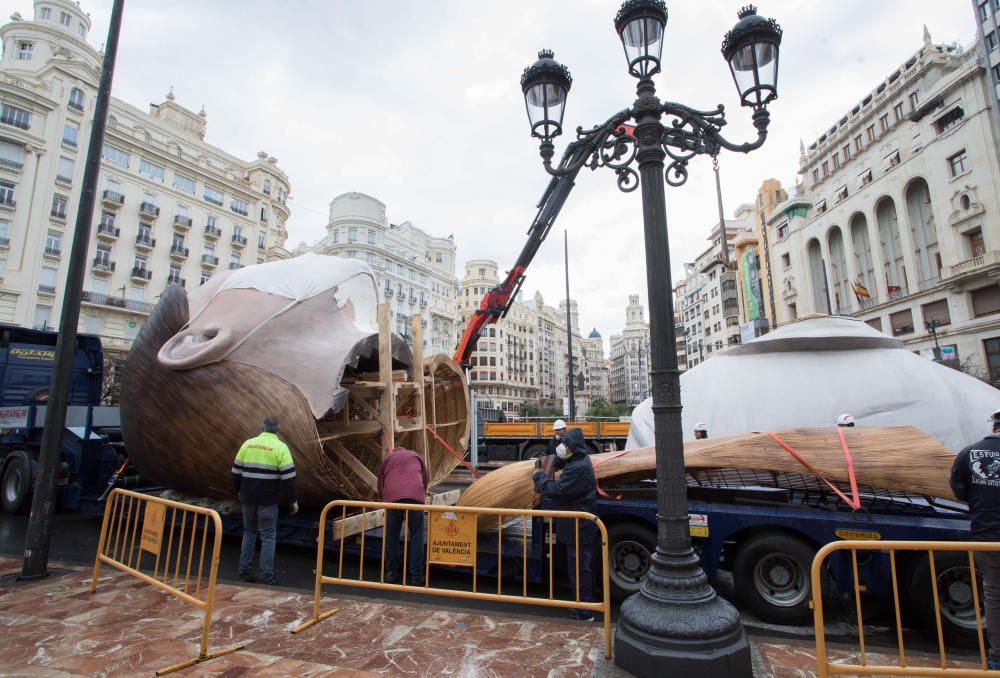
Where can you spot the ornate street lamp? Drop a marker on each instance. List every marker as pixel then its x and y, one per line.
pixel 676 622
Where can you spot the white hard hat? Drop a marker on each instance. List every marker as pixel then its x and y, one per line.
pixel 845 419
pixel 558 425
pixel 701 426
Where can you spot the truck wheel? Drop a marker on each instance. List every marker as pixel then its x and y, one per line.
pixel 15 488
pixel 771 576
pixel 534 451
pixel 630 554
pixel 954 585
pixel 39 395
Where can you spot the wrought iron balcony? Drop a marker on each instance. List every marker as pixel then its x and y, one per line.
pixel 239 240
pixel 140 273
pixel 179 252
pixel 240 210
pixel 118 302
pixel 101 265
pixel 235 265
pixel 4 242
pixel 176 280
pixel 53 252
pixel 112 198
pixel 149 209
pixel 182 221
pixel 144 242
pixel 58 213
pixel 46 289
pixel 14 122
pixel 7 201
pixel 61 179
pixel 107 231
pixel 75 106
pixel 13 164
pixel 209 260
pixel 213 232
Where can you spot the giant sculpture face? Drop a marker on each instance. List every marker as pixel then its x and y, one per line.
pixel 808 372
pixel 272 339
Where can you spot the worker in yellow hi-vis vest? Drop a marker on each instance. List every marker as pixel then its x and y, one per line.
pixel 263 475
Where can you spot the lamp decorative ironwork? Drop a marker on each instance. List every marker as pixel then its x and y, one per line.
pixel 676 621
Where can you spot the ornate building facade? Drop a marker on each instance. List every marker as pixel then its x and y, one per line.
pixel 171 208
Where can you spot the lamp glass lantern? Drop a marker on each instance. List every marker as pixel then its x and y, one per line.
pixel 751 49
pixel 640 25
pixel 545 85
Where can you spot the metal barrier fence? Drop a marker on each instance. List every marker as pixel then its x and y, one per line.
pixel 132 539
pixel 453 536
pixel 863 666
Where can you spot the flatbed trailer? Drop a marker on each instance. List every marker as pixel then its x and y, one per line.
pixel 766 536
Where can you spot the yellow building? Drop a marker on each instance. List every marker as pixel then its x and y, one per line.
pixel 757 309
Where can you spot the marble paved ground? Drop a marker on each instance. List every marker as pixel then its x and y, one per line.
pixel 56 628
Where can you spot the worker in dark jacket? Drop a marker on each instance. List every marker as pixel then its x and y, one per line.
pixel 263 475
pixel 402 479
pixel 574 490
pixel 975 478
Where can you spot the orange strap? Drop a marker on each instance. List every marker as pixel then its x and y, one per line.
pixel 598 484
pixel 854 503
pixel 457 455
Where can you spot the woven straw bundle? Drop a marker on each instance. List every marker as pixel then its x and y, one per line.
pixel 900 458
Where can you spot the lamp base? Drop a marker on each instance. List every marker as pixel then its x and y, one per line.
pixel 677 625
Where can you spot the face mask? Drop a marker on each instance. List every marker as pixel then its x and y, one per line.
pixel 562 452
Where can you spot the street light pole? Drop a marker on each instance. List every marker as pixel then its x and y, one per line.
pixel 569 331
pixel 39 532
pixel 676 622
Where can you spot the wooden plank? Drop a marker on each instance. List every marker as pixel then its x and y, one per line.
pixel 387 404
pixel 362 471
pixel 340 429
pixel 365 405
pixel 417 378
pixel 353 525
pixel 397 375
pixel 449 498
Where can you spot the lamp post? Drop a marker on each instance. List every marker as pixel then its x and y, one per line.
pixel 676 622
pixel 932 326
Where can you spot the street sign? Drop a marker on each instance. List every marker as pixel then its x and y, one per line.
pixel 452 538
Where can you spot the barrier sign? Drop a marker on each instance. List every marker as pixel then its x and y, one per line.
pixel 855 535
pixel 452 538
pixel 152 528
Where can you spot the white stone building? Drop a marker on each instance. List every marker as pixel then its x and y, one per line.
pixel 710 304
pixel 628 377
pixel 171 208
pixel 898 220
pixel 414 270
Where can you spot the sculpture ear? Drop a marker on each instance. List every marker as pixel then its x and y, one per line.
pixel 194 347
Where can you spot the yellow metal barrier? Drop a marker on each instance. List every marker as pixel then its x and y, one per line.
pixel 132 539
pixel 458 528
pixel 864 667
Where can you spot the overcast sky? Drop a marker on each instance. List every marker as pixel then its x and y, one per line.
pixel 419 105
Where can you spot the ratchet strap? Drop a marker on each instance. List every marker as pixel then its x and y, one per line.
pixel 598 484
pixel 854 503
pixel 456 454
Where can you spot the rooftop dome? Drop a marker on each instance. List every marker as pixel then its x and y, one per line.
pixel 594 334
pixel 808 372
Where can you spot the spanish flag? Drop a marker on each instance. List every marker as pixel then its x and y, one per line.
pixel 860 291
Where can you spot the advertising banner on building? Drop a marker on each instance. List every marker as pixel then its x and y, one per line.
pixel 751 285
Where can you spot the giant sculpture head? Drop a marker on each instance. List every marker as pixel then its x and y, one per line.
pixel 808 372
pixel 272 339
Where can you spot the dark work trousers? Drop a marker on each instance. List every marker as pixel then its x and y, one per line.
pixel 586 571
pixel 394 520
pixel 988 564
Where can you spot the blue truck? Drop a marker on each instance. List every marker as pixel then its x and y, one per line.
pixel 91 446
pixel 764 528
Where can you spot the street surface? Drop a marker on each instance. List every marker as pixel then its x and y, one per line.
pixel 75 538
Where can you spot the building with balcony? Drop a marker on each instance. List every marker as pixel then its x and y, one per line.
pixel 898 218
pixel 629 363
pixel 415 271
pixel 710 301
pixel 161 187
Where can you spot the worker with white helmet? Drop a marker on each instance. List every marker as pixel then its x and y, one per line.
pixel 558 431
pixel 700 430
pixel 845 420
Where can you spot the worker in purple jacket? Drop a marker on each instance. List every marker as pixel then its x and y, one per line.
pixel 402 479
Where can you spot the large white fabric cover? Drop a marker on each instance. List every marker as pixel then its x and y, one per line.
pixel 808 372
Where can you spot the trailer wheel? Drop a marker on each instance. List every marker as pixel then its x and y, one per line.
pixel 771 576
pixel 955 598
pixel 535 451
pixel 15 488
pixel 630 554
